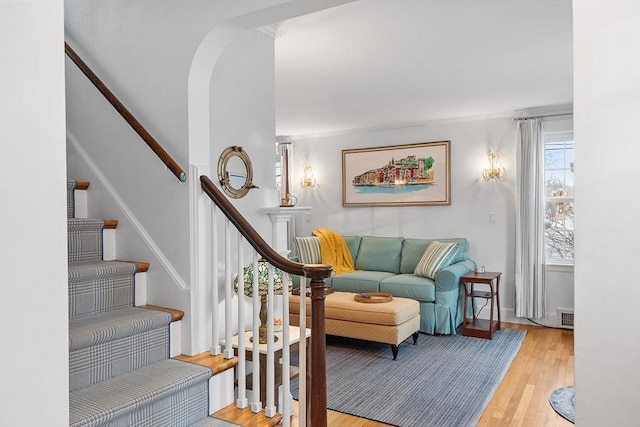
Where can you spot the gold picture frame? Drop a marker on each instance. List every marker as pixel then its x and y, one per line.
pixel 397 175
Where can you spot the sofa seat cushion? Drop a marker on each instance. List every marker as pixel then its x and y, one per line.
pixel 410 286
pixel 359 281
pixel 379 254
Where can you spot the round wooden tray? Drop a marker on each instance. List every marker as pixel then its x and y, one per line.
pixel 373 297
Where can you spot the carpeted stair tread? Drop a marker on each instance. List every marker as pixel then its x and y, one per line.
pixel 85 269
pixel 111 325
pixel 144 397
pixel 112 343
pixel 78 224
pixel 98 286
pixel 214 422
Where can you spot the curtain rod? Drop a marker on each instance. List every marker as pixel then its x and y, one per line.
pixel 542 116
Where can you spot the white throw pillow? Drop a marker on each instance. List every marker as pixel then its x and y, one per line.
pixel 437 256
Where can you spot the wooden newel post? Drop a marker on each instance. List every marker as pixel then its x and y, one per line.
pixel 318 390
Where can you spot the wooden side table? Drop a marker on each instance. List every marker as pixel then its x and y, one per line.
pixel 474 327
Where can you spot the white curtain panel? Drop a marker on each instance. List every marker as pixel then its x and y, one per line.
pixel 530 264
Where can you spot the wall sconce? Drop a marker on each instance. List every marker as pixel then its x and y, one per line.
pixel 495 170
pixel 308 180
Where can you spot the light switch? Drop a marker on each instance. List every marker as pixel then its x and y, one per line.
pixel 493 217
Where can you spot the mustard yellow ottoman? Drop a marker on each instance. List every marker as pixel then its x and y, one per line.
pixel 385 322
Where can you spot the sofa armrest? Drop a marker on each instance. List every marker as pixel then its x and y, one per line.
pixel 448 278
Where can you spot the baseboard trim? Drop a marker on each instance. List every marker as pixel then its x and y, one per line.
pixel 508 315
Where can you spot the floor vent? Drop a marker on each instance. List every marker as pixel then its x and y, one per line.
pixel 565 318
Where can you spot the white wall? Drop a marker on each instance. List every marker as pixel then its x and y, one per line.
pixel 33 244
pixel 472 197
pixel 242 113
pixel 142 51
pixel 607 135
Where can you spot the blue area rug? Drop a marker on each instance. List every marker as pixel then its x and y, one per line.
pixel 441 381
pixel 563 402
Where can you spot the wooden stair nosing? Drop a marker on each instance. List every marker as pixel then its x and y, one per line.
pixel 177 314
pixel 216 363
pixel 143 267
pixel 82 185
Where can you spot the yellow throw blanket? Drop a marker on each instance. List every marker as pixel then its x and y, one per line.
pixel 334 250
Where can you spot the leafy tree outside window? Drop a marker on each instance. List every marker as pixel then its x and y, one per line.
pixel 559 211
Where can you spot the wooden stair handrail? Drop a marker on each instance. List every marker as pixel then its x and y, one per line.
pixel 316 272
pixel 126 115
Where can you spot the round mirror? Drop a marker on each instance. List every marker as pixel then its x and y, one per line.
pixel 235 172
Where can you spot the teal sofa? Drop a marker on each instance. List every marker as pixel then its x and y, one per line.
pixel 387 264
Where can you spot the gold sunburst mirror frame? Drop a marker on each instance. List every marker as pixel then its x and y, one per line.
pixel 235 172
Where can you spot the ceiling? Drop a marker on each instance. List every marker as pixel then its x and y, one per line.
pixel 384 63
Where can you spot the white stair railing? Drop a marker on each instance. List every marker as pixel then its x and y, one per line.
pixel 235 343
pixel 313 403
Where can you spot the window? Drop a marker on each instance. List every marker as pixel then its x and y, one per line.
pixel 559 212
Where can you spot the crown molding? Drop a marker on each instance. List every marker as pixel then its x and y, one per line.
pixel 552 109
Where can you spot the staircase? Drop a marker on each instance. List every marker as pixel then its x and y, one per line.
pixel 120 370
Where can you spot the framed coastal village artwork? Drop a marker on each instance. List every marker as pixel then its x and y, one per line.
pixel 397 175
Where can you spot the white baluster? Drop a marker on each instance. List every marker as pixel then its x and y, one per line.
pixel 241 402
pixel 286 376
pixel 270 409
pixel 302 355
pixel 215 332
pixel 228 292
pixel 256 404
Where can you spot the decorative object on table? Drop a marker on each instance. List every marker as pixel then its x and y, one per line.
pixel 373 297
pixel 478 269
pixel 277 324
pixel 284 146
pixel 363 380
pixel 288 201
pixel 263 278
pixel 397 175
pixel 562 401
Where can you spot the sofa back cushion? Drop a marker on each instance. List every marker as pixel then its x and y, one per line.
pixel 353 243
pixel 413 249
pixel 379 254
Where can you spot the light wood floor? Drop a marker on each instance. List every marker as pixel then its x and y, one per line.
pixel 544 363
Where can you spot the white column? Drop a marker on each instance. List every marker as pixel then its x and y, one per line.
pixel 280 218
